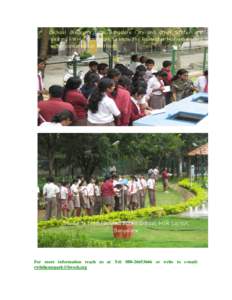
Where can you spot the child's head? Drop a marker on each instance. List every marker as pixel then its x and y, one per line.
pixel 91 79
pixel 167 64
pixel 56 91
pixel 114 74
pixel 134 58
pixel 93 66
pixel 41 64
pixel 161 75
pixel 150 63
pixel 50 179
pixel 73 83
pixel 143 59
pixel 65 118
pixel 125 82
pixel 102 69
pixel 138 91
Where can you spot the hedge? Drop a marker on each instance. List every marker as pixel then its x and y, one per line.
pixel 200 195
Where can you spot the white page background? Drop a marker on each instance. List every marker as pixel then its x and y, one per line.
pixel 207 279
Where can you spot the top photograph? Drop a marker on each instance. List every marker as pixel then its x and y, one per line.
pixel 122 76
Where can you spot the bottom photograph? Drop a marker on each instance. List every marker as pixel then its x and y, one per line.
pixel 123 190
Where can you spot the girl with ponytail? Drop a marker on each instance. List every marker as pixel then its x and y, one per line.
pixel 102 109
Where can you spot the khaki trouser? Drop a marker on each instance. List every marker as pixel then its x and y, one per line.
pixel 51 208
pixel 97 205
pixel 142 194
pixel 152 197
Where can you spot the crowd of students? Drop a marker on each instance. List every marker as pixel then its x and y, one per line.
pixel 117 96
pixel 115 193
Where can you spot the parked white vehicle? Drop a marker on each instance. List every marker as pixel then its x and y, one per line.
pixel 69 68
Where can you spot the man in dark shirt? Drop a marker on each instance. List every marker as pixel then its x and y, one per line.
pixel 54 105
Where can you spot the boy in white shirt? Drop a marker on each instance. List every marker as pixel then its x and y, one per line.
pixel 50 193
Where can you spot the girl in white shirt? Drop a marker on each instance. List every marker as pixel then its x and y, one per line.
pixel 155 88
pixel 102 108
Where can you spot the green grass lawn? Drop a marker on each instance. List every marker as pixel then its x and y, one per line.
pixel 165 232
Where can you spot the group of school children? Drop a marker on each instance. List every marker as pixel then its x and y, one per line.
pixel 115 193
pixel 118 96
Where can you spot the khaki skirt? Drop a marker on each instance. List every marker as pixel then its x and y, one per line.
pixel 105 124
pixel 157 101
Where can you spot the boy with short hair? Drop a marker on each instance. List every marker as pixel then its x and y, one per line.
pixel 51 194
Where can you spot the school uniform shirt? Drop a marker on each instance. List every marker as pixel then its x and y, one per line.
pixel 132 187
pixel 63 193
pixel 154 83
pixel 50 190
pixel 156 172
pixel 133 65
pixel 149 74
pixel 90 189
pixel 78 101
pixel 201 84
pixel 97 191
pixel 139 185
pixel 151 183
pixel 107 109
pixel 74 188
pixel 53 106
pixel 107 188
pixel 123 102
pixel 83 190
pixel 50 125
pixel 136 112
pixel 143 183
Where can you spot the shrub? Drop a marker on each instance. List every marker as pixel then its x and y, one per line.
pixel 85 55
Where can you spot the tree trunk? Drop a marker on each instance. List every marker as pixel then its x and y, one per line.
pixel 44 43
pixel 180 167
pixel 51 164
